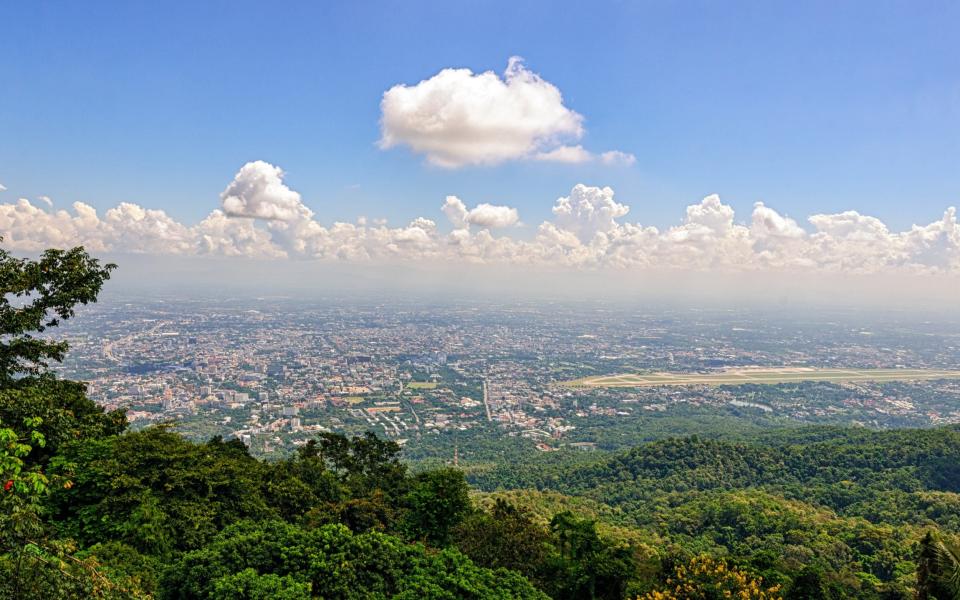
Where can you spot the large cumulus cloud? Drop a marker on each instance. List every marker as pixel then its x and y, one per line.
pixel 262 217
pixel 258 191
pixel 458 118
pixel 588 211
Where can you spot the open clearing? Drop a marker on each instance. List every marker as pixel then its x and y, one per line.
pixel 421 385
pixel 758 375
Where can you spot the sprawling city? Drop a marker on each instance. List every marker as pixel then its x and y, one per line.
pixel 272 372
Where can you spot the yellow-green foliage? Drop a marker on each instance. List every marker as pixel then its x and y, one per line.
pixel 705 578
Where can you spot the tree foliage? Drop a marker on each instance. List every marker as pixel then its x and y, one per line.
pixel 333 562
pixel 938 574
pixel 36 295
pixel 705 578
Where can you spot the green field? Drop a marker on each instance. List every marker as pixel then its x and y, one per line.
pixel 421 385
pixel 758 375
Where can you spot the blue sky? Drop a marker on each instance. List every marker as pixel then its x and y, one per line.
pixel 810 107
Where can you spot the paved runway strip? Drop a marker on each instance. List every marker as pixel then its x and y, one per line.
pixel 758 375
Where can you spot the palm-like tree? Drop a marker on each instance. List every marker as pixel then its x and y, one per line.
pixel 938 569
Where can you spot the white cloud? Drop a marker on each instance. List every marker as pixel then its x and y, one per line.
pixel 768 223
pixel 937 244
pixel 126 226
pixel 221 235
pixel 258 191
pixel 710 215
pixel 588 211
pixel 493 217
pixel 776 239
pixel 456 211
pixel 46 200
pixel 3 188
pixel 27 227
pixel 578 155
pixel 587 230
pixel 458 118
pixel 616 157
pixel 484 215
pixel 851 225
pixel 565 154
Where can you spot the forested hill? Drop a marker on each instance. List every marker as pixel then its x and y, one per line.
pixel 823 461
pixel 847 508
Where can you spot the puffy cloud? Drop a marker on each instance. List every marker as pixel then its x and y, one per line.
pixel 849 241
pixel 708 237
pixel 484 215
pixel 459 118
pixel 777 239
pixel 588 230
pixel 221 235
pixel 3 188
pixel 936 245
pixel 493 217
pixel 151 231
pixel 28 227
pixel 456 211
pixel 46 200
pixel 769 224
pixel 710 216
pixel 124 227
pixel 588 211
pixel 850 225
pixel 258 191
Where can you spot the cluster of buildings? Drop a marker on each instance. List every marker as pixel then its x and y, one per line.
pixel 274 372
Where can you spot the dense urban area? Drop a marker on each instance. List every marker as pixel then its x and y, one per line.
pixel 440 377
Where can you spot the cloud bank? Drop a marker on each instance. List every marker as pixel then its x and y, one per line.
pixel 458 118
pixel 261 217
